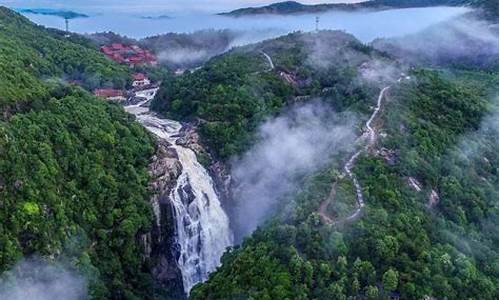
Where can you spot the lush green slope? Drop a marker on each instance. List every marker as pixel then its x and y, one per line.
pixel 30 53
pixel 398 246
pixel 73 168
pixel 73 181
pixel 233 93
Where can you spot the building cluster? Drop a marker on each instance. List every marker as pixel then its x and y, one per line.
pixel 130 55
pixel 142 90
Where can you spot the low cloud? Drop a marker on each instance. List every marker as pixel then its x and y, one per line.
pixel 36 279
pixel 462 40
pixel 183 56
pixel 380 71
pixel 298 142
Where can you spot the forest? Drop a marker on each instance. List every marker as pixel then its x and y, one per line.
pixel 441 129
pixel 73 168
pixel 233 93
pixel 400 247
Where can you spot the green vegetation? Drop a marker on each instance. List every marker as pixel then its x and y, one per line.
pixel 73 168
pixel 74 181
pixel 222 94
pixel 398 246
pixel 30 55
pixel 232 94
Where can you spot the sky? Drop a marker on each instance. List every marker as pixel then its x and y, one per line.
pixel 150 5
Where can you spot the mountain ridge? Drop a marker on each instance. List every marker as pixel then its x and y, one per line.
pixel 294 7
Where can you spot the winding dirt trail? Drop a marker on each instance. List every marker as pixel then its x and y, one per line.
pixel 372 138
pixel 269 60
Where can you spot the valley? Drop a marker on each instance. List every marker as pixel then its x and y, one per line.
pixel 228 164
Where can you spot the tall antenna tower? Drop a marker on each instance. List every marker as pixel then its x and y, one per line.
pixel 66 20
pixel 317 23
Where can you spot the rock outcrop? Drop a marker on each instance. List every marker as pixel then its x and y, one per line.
pixel 160 250
pixel 217 169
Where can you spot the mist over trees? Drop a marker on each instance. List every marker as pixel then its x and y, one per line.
pixel 407 243
pixel 283 115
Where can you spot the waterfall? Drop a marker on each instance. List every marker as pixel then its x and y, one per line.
pixel 202 227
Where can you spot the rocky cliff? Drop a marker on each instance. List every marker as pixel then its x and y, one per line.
pixel 160 249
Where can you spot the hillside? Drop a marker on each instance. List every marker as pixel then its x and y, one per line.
pixel 177 50
pixel 233 93
pixel 391 192
pixel 73 168
pixel 31 58
pixel 429 183
pixel 292 7
pixel 438 240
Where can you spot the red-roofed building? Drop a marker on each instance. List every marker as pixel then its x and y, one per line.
pixel 131 55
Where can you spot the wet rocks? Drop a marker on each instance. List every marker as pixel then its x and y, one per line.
pixel 159 245
pixel 190 139
pixel 218 170
pixel 164 169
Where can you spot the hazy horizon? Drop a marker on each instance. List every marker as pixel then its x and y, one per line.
pixel 364 25
pixel 173 6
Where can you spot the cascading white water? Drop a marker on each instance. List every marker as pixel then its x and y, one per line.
pixel 202 226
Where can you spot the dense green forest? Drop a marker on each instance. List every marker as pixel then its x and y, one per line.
pixel 73 168
pixel 232 94
pixel 440 129
pixel 399 247
pixel 74 180
pixel 32 56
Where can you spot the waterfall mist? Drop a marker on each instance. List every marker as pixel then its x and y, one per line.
pixel 299 141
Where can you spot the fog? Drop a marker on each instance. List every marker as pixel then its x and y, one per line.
pixel 36 279
pixel 366 26
pixel 183 56
pixel 298 142
pixel 464 40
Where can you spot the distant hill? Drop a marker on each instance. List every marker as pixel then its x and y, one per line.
pixel 67 14
pixel 161 17
pixel 293 7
